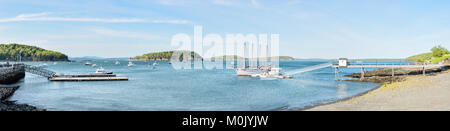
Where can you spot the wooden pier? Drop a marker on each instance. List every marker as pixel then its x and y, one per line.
pixel 88 78
pixel 386 65
pixel 8 71
pixel 382 65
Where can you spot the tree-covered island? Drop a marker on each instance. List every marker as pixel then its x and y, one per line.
pixel 15 52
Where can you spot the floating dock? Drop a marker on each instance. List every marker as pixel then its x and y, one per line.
pixel 88 79
pixel 90 75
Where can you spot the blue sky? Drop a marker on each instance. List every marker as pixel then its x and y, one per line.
pixel 307 28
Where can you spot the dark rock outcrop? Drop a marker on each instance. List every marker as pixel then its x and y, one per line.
pixel 5 93
pixel 12 74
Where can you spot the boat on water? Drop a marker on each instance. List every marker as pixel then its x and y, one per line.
pixel 94 65
pixel 117 62
pixel 88 63
pixel 130 64
pixel 101 70
pixel 247 71
pixel 41 65
pixel 261 71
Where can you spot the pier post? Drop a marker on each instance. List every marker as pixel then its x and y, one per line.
pixel 362 73
pixel 424 72
pixel 393 71
pixel 336 73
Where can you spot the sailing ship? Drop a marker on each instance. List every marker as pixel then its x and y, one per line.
pixel 262 71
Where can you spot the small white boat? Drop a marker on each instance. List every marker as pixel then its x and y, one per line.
pixel 155 64
pixel 88 63
pixel 130 63
pixel 42 66
pixel 54 63
pixel 117 63
pixel 102 71
pixel 94 65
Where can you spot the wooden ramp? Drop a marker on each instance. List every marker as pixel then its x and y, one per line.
pixel 88 78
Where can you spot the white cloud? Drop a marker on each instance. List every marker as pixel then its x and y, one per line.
pixel 32 15
pixel 45 17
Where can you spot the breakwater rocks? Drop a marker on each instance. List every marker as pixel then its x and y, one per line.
pixel 5 93
pixel 11 73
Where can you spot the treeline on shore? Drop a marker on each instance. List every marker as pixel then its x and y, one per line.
pixel 15 52
pixel 437 54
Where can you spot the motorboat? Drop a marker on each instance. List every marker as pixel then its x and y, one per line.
pixel 102 71
pixel 130 64
pixel 88 63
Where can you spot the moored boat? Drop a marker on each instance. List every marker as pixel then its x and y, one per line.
pixel 130 64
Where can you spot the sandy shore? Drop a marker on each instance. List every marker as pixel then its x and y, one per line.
pixel 423 93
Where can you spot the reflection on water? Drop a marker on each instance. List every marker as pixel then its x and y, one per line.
pixel 341 91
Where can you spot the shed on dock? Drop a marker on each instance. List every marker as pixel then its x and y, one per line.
pixel 343 62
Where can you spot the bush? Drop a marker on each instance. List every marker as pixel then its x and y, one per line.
pixel 439 51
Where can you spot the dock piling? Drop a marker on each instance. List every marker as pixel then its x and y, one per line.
pixel 362 73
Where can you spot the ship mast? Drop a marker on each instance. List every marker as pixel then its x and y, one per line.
pixel 267 54
pixel 244 53
pixel 251 59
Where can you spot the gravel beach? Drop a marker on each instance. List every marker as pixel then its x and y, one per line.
pixel 415 93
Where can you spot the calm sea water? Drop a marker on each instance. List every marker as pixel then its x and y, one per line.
pixel 165 88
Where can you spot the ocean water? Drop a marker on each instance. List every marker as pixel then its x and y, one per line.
pixel 167 89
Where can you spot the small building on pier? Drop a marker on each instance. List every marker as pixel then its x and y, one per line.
pixel 343 62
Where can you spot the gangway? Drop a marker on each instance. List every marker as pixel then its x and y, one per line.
pixel 39 71
pixel 307 69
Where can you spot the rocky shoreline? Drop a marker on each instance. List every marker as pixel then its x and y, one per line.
pixel 5 105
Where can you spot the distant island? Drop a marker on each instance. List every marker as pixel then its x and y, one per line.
pixel 437 54
pixel 12 52
pixel 167 55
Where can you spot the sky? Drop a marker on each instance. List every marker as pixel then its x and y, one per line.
pixel 307 28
